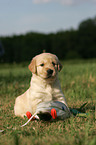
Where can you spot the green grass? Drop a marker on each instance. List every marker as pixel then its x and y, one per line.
pixel 78 82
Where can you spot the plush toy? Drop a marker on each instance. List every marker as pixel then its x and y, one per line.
pixel 54 110
pixel 49 111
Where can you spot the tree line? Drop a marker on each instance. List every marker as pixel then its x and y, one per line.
pixel 69 44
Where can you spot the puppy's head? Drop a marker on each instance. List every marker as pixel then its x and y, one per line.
pixel 45 65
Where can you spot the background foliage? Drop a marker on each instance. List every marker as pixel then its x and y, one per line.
pixel 80 43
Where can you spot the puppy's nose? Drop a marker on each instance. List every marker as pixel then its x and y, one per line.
pixel 49 71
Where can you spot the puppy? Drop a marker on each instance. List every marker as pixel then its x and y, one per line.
pixel 44 84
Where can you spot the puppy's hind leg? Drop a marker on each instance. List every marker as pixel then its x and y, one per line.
pixel 21 105
pixel 19 108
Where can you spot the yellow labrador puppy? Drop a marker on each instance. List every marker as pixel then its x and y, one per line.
pixel 44 84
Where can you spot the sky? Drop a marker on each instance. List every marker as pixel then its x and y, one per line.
pixel 44 16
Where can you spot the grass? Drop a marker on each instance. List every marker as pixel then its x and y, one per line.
pixel 78 82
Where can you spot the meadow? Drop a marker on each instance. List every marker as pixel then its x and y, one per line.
pixel 78 82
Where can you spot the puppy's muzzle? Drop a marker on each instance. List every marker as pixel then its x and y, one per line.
pixel 49 72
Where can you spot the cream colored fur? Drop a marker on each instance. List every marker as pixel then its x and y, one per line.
pixel 43 87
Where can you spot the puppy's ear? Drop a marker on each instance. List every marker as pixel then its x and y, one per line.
pixel 59 67
pixel 32 66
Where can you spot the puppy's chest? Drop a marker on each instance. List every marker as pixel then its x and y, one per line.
pixel 45 92
pixel 50 91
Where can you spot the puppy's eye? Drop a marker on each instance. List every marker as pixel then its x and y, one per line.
pixel 42 64
pixel 53 63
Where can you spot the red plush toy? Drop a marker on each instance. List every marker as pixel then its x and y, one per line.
pixel 53 114
pixel 28 114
